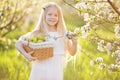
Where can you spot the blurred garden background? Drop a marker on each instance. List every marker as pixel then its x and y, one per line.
pixel 98 23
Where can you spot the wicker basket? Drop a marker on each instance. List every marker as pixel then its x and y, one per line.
pixel 42 51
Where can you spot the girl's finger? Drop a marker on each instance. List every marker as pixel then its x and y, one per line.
pixel 34 58
pixel 74 34
pixel 74 38
pixel 31 52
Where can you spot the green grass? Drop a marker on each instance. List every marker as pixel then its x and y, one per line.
pixel 13 66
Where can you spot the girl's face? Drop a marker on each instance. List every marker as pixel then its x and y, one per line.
pixel 52 16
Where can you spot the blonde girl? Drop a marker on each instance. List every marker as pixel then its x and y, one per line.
pixel 50 22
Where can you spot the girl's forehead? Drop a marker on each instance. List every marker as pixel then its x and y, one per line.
pixel 52 8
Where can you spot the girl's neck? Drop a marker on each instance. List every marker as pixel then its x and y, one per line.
pixel 52 28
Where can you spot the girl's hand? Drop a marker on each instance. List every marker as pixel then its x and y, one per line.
pixel 74 38
pixel 75 35
pixel 70 34
pixel 29 57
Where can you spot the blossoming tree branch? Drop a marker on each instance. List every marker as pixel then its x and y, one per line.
pixel 101 15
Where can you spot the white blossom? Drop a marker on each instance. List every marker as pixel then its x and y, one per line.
pixel 105 11
pixel 108 48
pixel 86 16
pixel 102 66
pixel 92 63
pixel 9 42
pixel 117 52
pixel 80 5
pixel 99 60
pixel 98 0
pixel 113 67
pixel 110 16
pixel 85 29
pixel 117 31
pixel 95 26
pixel 77 30
pixel 118 61
pixel 97 6
pixel 87 26
pixel 91 0
pixel 84 33
pixel 100 46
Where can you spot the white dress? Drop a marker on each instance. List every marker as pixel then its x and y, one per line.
pixel 52 68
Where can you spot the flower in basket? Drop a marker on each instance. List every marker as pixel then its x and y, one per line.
pixel 37 38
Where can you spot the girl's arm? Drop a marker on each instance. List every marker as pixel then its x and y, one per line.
pixel 72 45
pixel 20 48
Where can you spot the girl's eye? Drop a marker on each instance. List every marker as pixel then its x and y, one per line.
pixel 49 14
pixel 56 15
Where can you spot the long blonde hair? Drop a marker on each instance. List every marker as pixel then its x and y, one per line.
pixel 42 25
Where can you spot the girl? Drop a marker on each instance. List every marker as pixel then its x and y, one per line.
pixel 50 22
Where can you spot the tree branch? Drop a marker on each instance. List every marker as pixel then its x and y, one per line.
pixel 114 22
pixel 11 20
pixel 71 5
pixel 114 7
pixel 3 35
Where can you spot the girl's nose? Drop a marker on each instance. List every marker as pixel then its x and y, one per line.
pixel 53 16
